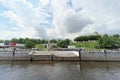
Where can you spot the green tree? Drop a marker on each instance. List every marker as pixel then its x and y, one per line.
pixel 21 40
pixel 105 36
pixel 15 40
pixel 53 41
pixel 29 44
pixel 86 38
pixel 43 41
pixel 116 36
pixel 63 43
pixel 1 41
pixel 109 42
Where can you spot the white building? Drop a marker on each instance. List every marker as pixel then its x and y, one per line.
pixel 3 45
pixel 71 47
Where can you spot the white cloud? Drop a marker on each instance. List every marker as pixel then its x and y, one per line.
pixel 67 21
pixel 75 21
pixel 21 17
pixel 14 18
pixel 44 2
pixel 56 19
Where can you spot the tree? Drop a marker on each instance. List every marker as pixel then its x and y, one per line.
pixel 43 41
pixel 38 41
pixel 116 36
pixel 109 42
pixel 86 38
pixel 29 44
pixel 1 41
pixel 21 40
pixel 53 41
pixel 63 43
pixel 105 36
pixel 15 40
pixel 100 42
pixel 7 41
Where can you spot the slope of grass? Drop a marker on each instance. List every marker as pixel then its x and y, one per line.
pixel 85 45
pixel 40 47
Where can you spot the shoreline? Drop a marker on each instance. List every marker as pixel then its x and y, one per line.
pixel 84 56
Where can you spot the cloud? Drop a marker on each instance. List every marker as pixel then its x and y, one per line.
pixel 20 17
pixel 60 21
pixel 67 20
pixel 76 21
pixel 60 18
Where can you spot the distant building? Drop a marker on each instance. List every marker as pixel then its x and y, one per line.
pixel 7 45
pixel 2 45
pixel 71 47
pixel 96 33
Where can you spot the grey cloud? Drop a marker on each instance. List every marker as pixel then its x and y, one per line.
pixel 41 32
pixel 76 22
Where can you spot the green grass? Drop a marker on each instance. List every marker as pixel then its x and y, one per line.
pixel 40 47
pixel 85 45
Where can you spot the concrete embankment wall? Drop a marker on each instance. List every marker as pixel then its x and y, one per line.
pixel 7 54
pixel 93 56
pixel 74 55
pixel 42 55
pixel 17 56
pixel 101 56
pixel 63 56
pixel 55 55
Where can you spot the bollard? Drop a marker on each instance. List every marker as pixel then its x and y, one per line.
pixel 52 57
pixel 31 59
pixel 80 55
pixel 105 54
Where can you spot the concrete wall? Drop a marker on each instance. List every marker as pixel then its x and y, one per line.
pixel 93 56
pixel 101 56
pixel 42 57
pixel 55 55
pixel 65 56
pixel 17 56
pixel 114 56
pixel 62 56
pixel 55 58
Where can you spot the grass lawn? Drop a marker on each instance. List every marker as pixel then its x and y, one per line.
pixel 85 45
pixel 40 47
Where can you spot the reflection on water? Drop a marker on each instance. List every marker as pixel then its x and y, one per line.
pixel 38 70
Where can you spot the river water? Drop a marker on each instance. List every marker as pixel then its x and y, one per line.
pixel 43 70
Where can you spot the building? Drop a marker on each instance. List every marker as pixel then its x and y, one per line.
pixel 96 33
pixel 71 47
pixel 7 45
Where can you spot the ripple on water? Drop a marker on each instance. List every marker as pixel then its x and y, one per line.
pixel 43 70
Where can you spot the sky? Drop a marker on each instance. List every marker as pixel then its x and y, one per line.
pixel 58 19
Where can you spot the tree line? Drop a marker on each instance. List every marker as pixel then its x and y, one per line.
pixel 87 38
pixel 30 43
pixel 109 41
pixel 24 40
pixel 104 41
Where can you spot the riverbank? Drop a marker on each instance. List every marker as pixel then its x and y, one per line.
pixel 85 55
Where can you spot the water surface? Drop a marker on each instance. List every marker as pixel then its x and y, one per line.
pixel 43 70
